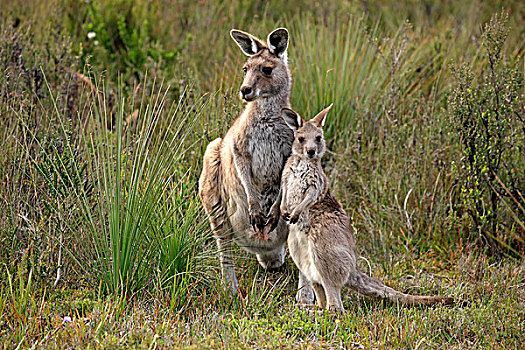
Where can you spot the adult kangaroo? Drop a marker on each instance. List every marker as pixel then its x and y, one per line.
pixel 241 173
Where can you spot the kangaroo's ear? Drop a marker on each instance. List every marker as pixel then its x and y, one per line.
pixel 278 42
pixel 320 119
pixel 249 44
pixel 292 119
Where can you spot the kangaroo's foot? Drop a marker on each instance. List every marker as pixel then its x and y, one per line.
pixel 305 296
pixel 333 299
pixel 334 309
pixel 269 263
pixel 305 293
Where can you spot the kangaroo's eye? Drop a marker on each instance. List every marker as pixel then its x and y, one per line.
pixel 301 139
pixel 267 70
pixel 318 139
pixel 244 69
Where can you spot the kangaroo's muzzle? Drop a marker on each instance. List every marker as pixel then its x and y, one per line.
pixel 247 93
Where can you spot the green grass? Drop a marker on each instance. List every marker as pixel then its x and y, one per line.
pixel 489 314
pixel 102 144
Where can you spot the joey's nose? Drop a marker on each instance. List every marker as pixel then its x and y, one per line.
pixel 246 90
pixel 311 152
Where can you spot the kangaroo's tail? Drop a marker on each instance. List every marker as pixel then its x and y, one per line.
pixel 369 286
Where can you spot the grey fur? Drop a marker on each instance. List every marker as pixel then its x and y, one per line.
pixel 320 240
pixel 240 179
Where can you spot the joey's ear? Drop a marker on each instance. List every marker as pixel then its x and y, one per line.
pixel 292 119
pixel 320 119
pixel 278 42
pixel 249 44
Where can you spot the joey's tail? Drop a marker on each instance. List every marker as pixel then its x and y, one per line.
pixel 369 286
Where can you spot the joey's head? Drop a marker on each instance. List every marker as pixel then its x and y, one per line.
pixel 308 135
pixel 266 71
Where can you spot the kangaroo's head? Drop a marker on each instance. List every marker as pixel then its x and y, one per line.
pixel 308 135
pixel 266 71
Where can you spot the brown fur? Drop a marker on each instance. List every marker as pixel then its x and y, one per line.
pixel 320 240
pixel 240 179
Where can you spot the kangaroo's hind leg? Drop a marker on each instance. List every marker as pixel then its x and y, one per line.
pixel 272 260
pixel 227 265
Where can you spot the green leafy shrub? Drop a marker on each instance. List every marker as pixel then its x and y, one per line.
pixel 489 117
pixel 117 37
pixel 98 185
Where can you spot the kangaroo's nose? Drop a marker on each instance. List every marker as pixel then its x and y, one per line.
pixel 246 90
pixel 311 152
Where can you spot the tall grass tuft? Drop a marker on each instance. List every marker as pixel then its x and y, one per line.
pixel 368 76
pixel 139 223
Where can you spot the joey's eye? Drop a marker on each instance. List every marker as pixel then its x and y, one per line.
pixel 300 139
pixel 244 69
pixel 267 70
pixel 318 139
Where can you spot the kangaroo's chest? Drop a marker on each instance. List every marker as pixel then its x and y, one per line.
pixel 270 146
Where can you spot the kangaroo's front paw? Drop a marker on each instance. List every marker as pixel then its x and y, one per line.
pixel 273 218
pixel 294 217
pixel 285 214
pixel 257 219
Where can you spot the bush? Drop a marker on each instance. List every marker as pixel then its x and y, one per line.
pixel 488 114
pixel 116 37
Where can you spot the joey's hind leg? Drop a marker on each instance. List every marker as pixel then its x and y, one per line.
pixel 305 294
pixel 319 295
pixel 333 298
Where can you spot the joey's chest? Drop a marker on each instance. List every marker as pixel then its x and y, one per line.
pixel 300 176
